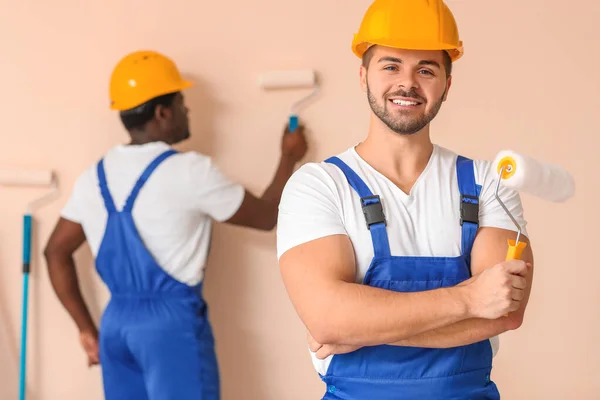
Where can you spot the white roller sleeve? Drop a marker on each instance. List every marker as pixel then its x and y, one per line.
pixel 304 78
pixel 546 181
pixel 18 177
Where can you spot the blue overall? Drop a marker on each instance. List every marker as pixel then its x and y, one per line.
pixel 156 342
pixel 389 372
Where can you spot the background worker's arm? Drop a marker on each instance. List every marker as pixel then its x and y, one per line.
pixel 319 276
pixel 261 212
pixel 64 241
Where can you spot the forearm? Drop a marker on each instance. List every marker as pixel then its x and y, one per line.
pixel 284 171
pixel 63 278
pixel 272 195
pixel 476 329
pixel 262 212
pixel 399 316
pixel 461 333
pixel 458 334
pixel 454 335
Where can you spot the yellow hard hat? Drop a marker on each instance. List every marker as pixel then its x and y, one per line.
pixel 409 24
pixel 141 76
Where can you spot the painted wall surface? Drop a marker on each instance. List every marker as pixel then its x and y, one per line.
pixel 529 81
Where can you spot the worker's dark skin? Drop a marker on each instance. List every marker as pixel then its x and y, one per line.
pixel 170 125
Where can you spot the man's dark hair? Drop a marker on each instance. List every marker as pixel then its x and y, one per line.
pixel 366 59
pixel 139 116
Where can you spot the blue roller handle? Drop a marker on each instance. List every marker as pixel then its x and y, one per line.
pixel 26 269
pixel 293 123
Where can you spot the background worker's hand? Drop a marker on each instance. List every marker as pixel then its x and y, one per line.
pixel 325 350
pixel 293 144
pixel 89 342
pixel 498 290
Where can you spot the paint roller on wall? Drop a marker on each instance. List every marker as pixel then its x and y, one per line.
pixel 291 79
pixel 524 174
pixel 32 179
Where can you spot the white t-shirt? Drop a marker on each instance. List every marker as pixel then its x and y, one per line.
pixel 173 211
pixel 318 201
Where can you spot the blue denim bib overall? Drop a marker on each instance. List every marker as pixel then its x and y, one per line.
pixel 156 342
pixel 389 372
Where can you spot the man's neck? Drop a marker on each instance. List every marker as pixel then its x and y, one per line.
pixel 401 158
pixel 141 138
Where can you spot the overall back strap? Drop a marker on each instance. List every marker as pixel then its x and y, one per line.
pixel 144 177
pixel 106 196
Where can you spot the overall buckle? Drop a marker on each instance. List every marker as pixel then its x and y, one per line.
pixel 469 211
pixel 373 211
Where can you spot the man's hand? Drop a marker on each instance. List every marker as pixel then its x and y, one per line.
pixel 89 342
pixel 293 144
pixel 498 290
pixel 325 350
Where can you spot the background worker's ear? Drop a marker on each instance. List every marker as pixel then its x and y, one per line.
pixel 163 113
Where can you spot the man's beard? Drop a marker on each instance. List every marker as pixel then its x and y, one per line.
pixel 404 126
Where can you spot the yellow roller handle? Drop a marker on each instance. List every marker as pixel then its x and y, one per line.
pixel 514 252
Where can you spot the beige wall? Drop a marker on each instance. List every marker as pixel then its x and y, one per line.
pixel 533 87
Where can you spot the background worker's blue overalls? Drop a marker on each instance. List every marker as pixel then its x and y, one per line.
pixel 411 373
pixel 156 342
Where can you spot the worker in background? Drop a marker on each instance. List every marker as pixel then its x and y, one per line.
pixel 393 251
pixel 145 210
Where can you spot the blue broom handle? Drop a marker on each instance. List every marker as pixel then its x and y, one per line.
pixel 26 269
pixel 26 242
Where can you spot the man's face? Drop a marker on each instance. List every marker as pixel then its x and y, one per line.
pixel 405 88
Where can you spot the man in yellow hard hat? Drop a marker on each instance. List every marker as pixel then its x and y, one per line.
pixel 393 251
pixel 145 210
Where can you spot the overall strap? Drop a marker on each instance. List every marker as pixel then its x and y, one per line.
pixel 469 204
pixel 144 177
pixel 108 200
pixel 371 206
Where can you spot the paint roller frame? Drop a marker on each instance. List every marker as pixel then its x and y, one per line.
pixel 515 248
pixel 291 79
pixel 30 179
pixel 506 164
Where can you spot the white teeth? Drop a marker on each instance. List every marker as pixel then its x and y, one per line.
pixel 405 103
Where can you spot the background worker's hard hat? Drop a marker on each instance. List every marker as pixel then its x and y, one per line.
pixel 409 24
pixel 141 76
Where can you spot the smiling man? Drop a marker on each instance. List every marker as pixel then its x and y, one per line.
pixel 393 252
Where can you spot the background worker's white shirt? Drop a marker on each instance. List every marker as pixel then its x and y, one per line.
pixel 173 212
pixel 318 201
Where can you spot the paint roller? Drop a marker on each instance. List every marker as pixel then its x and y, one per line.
pixel 291 79
pixel 538 178
pixel 34 179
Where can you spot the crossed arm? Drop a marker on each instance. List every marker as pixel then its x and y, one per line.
pixel 342 316
pixel 489 249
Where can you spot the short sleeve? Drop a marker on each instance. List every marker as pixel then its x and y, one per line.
pixel 216 194
pixel 74 209
pixel 491 213
pixel 309 208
